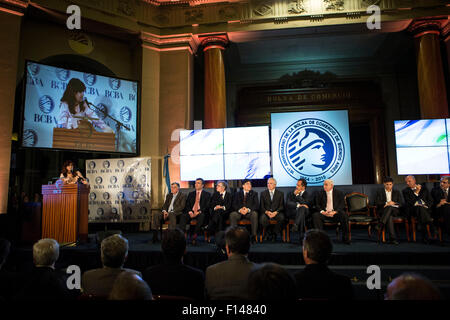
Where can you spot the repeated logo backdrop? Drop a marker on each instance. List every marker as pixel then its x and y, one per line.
pixel 45 85
pixel 120 189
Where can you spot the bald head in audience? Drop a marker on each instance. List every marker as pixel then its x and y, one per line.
pixel 410 286
pixel 129 286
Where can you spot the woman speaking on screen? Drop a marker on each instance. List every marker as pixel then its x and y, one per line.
pixel 70 177
pixel 74 108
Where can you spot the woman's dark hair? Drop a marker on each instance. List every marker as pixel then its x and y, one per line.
pixel 75 85
pixel 64 168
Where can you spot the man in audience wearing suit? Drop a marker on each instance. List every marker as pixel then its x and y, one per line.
pixel 297 207
pixel 197 207
pixel 228 280
pixel 330 205
pixel 99 282
pixel 245 206
pixel 271 208
pixel 172 209
pixel 174 278
pixel 317 281
pixel 220 207
pixel 441 203
pixel 388 202
pixel 418 203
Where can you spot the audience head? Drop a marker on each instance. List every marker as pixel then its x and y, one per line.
pixel 199 184
pixel 221 186
pixel 247 185
pixel 114 251
pixel 301 184
pixel 328 185
pixel 173 245
pixel 174 187
pixel 411 286
pixel 271 183
pixel 410 181
pixel 317 247
pixel 5 246
pixel 129 286
pixel 270 281
pixel 444 182
pixel 237 241
pixel 388 183
pixel 45 253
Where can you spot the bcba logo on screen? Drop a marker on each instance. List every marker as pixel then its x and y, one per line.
pixel 106 164
pixel 62 74
pixel 312 149
pixel 120 164
pixel 114 83
pixel 125 114
pixel 92 165
pixel 30 138
pixel 90 79
pixel 46 104
pixel 98 180
pixel 34 68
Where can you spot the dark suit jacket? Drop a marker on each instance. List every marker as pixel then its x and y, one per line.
pixel 437 194
pixel 217 200
pixel 380 199
pixel 228 280
pixel 338 201
pixel 99 282
pixel 292 200
pixel 251 202
pixel 411 198
pixel 205 197
pixel 277 204
pixel 178 204
pixel 176 279
pixel 317 281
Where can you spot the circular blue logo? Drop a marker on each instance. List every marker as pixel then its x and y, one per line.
pixel 120 195
pixel 46 104
pixel 30 138
pixel 92 165
pixel 114 211
pixel 129 179
pixel 92 196
pixel 90 79
pixel 135 194
pixel 125 114
pixel 113 180
pixel 104 111
pixel 312 149
pixel 98 180
pixel 100 211
pixel 149 162
pixel 106 164
pixel 120 164
pixel 34 68
pixel 143 179
pixel 106 196
pixel 114 83
pixel 62 74
pixel 134 86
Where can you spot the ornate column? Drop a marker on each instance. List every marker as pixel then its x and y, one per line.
pixel 10 21
pixel 215 91
pixel 430 71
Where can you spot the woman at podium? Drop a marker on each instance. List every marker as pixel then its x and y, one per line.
pixel 70 177
pixel 74 108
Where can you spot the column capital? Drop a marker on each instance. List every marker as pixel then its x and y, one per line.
pixel 16 7
pixel 186 41
pixel 433 25
pixel 215 40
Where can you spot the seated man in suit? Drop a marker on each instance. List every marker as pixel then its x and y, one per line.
pixel 44 282
pixel 298 204
pixel 114 252
pixel 129 286
pixel 330 205
pixel 245 206
pixel 220 206
pixel 197 207
pixel 418 203
pixel 441 203
pixel 271 208
pixel 388 202
pixel 172 277
pixel 228 280
pixel 172 209
pixel 317 281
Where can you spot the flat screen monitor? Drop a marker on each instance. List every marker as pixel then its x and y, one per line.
pixel 422 146
pixel 68 109
pixel 230 153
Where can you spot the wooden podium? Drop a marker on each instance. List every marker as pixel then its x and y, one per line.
pixel 65 212
pixel 84 138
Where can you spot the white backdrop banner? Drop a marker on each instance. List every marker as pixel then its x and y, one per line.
pixel 120 189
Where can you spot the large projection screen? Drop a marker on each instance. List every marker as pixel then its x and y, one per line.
pixel 312 145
